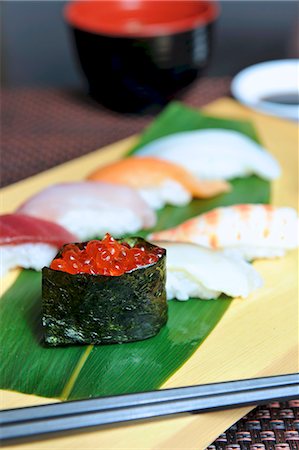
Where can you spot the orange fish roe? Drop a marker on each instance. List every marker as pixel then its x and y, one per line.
pixel 104 257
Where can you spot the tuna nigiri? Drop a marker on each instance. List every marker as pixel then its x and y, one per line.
pixel 253 231
pixel 197 272
pixel 29 242
pixel 91 209
pixel 159 182
pixel 214 154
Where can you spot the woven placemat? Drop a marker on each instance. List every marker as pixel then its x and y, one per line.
pixel 271 427
pixel 42 128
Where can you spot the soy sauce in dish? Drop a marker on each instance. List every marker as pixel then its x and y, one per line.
pixel 286 98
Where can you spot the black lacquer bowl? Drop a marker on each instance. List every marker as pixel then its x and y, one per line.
pixel 139 54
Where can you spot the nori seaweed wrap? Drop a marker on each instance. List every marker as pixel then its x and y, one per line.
pixel 99 309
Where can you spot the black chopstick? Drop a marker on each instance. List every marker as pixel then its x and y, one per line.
pixel 75 415
pixel 103 403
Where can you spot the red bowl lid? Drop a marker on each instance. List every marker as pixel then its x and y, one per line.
pixel 140 18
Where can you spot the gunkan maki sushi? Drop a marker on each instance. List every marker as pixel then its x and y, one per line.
pixel 104 291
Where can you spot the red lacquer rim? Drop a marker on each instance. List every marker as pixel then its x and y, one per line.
pixel 140 18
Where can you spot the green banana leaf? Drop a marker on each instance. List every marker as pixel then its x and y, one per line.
pixel 77 372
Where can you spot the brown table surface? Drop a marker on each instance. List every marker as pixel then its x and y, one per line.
pixel 42 128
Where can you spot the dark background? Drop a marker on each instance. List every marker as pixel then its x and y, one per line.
pixel 37 50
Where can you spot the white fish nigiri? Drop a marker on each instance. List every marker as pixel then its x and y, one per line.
pixel 90 209
pixel 216 154
pixel 252 231
pixel 196 272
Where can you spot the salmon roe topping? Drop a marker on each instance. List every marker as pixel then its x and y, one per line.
pixel 105 257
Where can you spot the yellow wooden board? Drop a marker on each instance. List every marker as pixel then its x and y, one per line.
pixel 256 337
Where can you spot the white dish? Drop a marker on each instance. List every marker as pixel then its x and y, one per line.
pixel 253 85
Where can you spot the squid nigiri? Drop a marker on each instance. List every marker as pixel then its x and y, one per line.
pixel 196 272
pixel 29 242
pixel 91 209
pixel 214 154
pixel 252 231
pixel 158 182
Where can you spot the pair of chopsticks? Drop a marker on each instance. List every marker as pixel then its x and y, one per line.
pixel 75 415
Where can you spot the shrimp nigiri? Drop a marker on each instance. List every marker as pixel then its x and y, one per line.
pixel 214 154
pixel 29 242
pixel 90 209
pixel 252 231
pixel 197 272
pixel 158 182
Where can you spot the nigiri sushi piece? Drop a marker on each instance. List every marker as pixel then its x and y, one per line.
pixel 196 272
pixel 158 182
pixel 252 231
pixel 90 209
pixel 214 154
pixel 29 242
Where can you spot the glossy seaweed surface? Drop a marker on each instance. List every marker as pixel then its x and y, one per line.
pixel 87 371
pixel 99 309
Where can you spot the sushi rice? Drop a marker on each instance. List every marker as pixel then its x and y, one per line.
pixel 169 192
pixel 28 255
pixel 118 221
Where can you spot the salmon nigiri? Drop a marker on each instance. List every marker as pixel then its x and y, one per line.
pixel 253 231
pixel 29 242
pixel 159 182
pixel 91 209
